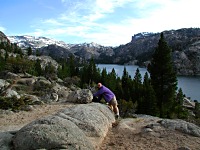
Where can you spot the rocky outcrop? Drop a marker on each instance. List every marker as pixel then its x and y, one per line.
pixel 187 62
pixel 149 133
pixel 182 126
pixel 61 91
pixel 91 50
pixel 81 96
pixel 3 84
pixel 145 123
pixel 5 140
pixel 182 63
pixel 85 126
pixel 3 38
pixel 6 89
pixel 37 90
pixel 188 103
pixel 80 127
pixel 10 93
pixel 26 81
pixel 45 60
pixel 10 75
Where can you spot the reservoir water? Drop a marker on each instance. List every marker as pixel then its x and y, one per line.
pixel 190 85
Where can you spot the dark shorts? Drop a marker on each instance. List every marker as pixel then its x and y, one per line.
pixel 113 101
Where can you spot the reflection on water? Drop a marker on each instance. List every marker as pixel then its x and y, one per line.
pixel 189 84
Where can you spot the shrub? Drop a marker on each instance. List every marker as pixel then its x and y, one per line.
pixel 126 108
pixel 13 103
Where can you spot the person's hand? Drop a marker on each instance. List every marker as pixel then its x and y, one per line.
pixel 95 99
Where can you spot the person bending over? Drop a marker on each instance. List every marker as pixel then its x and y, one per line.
pixel 109 97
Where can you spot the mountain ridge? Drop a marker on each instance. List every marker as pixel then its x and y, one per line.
pixel 185 45
pixel 46 47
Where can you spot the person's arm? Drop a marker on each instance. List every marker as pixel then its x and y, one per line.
pixel 97 99
pixel 99 92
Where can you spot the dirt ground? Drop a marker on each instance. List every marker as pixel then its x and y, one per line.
pixel 14 121
pixel 133 138
pixel 130 138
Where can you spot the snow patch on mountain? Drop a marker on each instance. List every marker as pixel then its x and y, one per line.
pixel 59 49
pixel 36 42
pixel 39 42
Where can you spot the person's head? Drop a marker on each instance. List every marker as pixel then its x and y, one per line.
pixel 99 85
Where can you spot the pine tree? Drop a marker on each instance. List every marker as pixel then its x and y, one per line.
pixel 197 109
pixel 104 76
pixel 2 45
pixel 180 97
pixel 149 106
pixel 84 75
pixel 8 47
pixel 72 67
pixel 92 72
pixel 179 103
pixel 112 83
pixel 38 68
pixel 138 76
pixel 163 77
pixel 15 48
pixel 37 53
pixel 29 51
pixel 2 63
pixel 63 71
pixel 137 91
pixel 50 71
pixel 125 85
pixel 6 56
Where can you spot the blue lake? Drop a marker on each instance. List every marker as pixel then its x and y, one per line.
pixel 189 84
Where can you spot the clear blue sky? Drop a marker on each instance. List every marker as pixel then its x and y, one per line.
pixel 106 22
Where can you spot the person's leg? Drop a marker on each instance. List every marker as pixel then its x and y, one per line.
pixel 114 104
pixel 116 110
pixel 110 106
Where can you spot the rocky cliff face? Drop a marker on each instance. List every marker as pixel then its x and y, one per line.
pixel 88 50
pixel 185 45
pixel 187 62
pixel 3 38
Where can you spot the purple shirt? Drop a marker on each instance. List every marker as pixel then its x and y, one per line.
pixel 105 92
